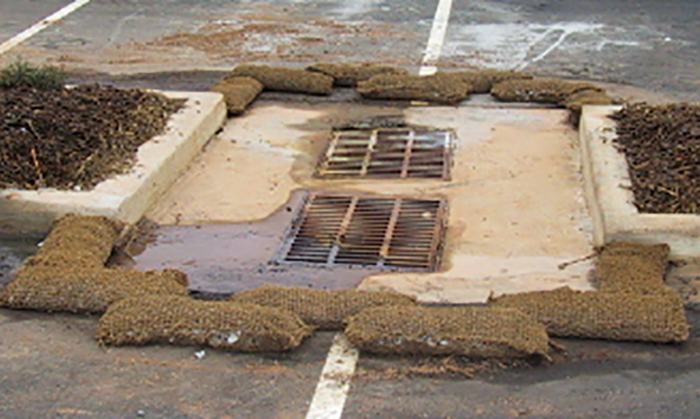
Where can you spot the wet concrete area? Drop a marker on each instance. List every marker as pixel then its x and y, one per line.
pixel 13 251
pixel 228 258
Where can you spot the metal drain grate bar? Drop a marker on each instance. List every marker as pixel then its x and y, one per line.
pixel 367 231
pixel 388 153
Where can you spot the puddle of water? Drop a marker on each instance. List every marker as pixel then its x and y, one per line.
pixel 13 251
pixel 229 258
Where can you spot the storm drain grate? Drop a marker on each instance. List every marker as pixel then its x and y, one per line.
pixel 391 233
pixel 403 152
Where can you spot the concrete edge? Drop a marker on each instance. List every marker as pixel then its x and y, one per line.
pixel 126 197
pixel 610 199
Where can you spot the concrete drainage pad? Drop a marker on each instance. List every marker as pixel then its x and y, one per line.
pixel 125 197
pixel 515 199
pixel 610 198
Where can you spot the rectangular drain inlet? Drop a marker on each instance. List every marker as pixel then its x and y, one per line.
pixel 384 233
pixel 388 153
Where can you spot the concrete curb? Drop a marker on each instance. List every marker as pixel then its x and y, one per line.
pixel 125 197
pixel 610 199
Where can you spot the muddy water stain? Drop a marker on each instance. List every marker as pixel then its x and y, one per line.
pixel 13 251
pixel 228 258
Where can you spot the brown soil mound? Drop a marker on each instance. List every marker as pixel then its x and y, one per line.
pixel 601 315
pixel 77 240
pixel 239 92
pixel 439 88
pixel 286 79
pixel 539 90
pixel 184 321
pixel 348 75
pixel 79 290
pixel 483 80
pixel 324 309
pixel 575 103
pixel 632 268
pixel 68 138
pixel 662 147
pixel 469 331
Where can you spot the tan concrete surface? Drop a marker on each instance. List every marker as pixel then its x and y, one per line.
pixel 516 207
pixel 609 195
pixel 125 197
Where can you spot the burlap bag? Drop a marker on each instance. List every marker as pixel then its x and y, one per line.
pixel 539 90
pixel 600 315
pixel 483 80
pixel 439 88
pixel 321 308
pixel 285 79
pixel 81 290
pixel 239 92
pixel 79 239
pixel 348 75
pixel 632 267
pixel 185 321
pixel 469 331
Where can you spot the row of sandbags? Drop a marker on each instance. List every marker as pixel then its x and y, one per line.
pixel 632 301
pixel 277 318
pixel 242 85
pixel 632 304
pixel 68 274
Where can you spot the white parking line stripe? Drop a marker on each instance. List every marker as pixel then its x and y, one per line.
pixel 437 38
pixel 40 26
pixel 333 387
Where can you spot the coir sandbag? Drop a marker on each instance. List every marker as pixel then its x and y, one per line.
pixel 348 75
pixel 540 90
pixel 322 308
pixel 469 331
pixel 285 79
pixel 239 93
pixel 439 88
pixel 632 267
pixel 185 321
pixel 80 290
pixel 600 315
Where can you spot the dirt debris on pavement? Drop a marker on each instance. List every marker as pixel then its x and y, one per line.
pixel 239 93
pixel 459 330
pixel 662 147
pixel 539 90
pixel 626 267
pixel 348 75
pixel 600 315
pixel 283 79
pixel 325 309
pixel 186 321
pixel 444 88
pixel 75 138
pixel 450 366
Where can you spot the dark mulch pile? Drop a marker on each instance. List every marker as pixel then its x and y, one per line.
pixel 662 148
pixel 74 138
